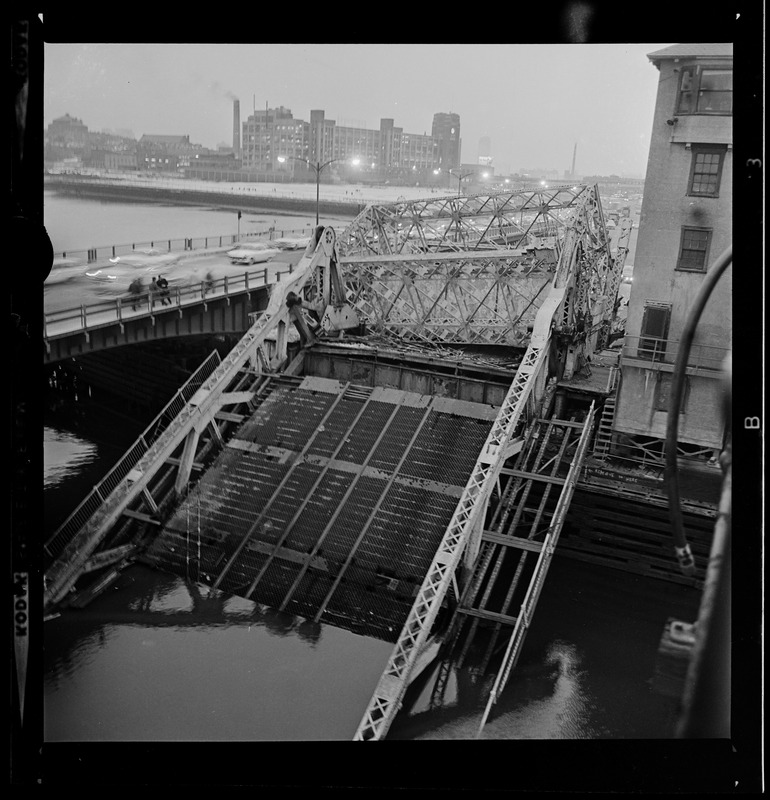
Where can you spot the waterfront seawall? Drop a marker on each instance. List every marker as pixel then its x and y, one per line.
pixel 196 195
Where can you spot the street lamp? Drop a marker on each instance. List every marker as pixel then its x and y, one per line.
pixel 460 177
pixel 318 168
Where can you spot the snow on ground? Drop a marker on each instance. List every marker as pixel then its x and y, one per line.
pixel 359 195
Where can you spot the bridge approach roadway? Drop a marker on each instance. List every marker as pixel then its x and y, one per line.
pixel 85 311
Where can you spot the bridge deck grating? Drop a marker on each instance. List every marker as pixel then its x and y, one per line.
pixel 365 572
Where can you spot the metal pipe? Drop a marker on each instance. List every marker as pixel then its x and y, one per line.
pixel 706 699
pixel 671 478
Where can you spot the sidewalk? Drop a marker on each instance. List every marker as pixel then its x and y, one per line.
pixel 64 321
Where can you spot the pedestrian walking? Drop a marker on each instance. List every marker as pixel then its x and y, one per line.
pixel 163 288
pixel 135 289
pixel 153 291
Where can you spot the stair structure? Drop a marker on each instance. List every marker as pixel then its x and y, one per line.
pixel 603 438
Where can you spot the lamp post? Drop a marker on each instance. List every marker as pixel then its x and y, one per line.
pixel 460 177
pixel 318 168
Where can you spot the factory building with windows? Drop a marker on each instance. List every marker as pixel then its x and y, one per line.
pixel 685 224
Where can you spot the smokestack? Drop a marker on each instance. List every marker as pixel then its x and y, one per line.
pixel 237 128
pixel 574 155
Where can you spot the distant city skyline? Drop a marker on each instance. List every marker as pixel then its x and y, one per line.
pixel 484 145
pixel 601 96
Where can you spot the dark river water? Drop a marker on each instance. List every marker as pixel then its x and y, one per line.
pixel 158 658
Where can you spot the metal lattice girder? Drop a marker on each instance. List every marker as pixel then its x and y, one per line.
pixel 198 412
pixel 478 221
pixel 614 276
pixel 473 269
pixel 484 297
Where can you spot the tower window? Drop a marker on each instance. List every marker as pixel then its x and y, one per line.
pixel 706 171
pixel 705 91
pixel 654 332
pixel 694 249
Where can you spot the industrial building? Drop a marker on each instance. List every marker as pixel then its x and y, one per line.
pixel 272 145
pixel 685 224
pixel 271 134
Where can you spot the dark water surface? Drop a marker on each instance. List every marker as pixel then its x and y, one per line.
pixel 159 658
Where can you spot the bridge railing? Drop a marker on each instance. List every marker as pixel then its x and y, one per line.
pixel 93 501
pixel 129 305
pixel 183 244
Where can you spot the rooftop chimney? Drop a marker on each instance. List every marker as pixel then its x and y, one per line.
pixel 237 128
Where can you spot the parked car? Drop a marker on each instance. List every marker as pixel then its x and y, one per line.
pixel 252 253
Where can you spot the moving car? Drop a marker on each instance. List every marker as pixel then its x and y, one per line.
pixel 252 253
pixel 64 269
pixel 628 274
pixel 118 277
pixel 146 258
pixel 101 275
pixel 291 243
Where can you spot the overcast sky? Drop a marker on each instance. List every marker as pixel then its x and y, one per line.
pixel 533 101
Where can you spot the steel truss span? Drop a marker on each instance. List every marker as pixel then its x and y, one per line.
pixel 517 268
pixel 575 305
pixel 476 269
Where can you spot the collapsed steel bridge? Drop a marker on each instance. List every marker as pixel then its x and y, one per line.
pixel 371 506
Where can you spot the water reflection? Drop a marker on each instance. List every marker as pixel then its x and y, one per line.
pixel 309 632
pixel 169 600
pixel 449 703
pixel 64 455
pixel 64 664
pixel 563 711
pixel 156 658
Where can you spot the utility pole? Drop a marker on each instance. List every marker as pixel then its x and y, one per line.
pixel 460 177
pixel 318 168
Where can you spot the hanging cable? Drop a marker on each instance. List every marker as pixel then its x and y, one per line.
pixel 671 476
pixel 199 535
pixel 187 546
